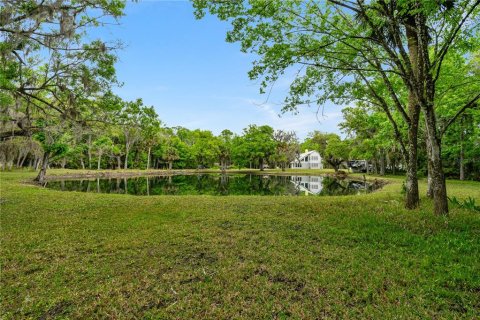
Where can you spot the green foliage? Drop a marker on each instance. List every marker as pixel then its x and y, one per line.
pixel 468 203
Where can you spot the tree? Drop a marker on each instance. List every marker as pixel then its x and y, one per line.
pixel 372 134
pixel 205 148
pixel 258 143
pixel 54 142
pixel 336 152
pixel 169 151
pixel 317 140
pixel 101 145
pixel 342 45
pixel 151 131
pixel 49 73
pixel 46 60
pixel 225 148
pixel 134 117
pixel 286 147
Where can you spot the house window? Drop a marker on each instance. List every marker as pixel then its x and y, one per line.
pixel 314 165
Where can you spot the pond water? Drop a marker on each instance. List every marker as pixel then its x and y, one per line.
pixel 217 184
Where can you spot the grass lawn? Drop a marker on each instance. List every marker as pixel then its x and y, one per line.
pixel 86 255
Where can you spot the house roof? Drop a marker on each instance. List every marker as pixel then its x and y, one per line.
pixel 305 154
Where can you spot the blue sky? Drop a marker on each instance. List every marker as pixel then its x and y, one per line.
pixel 193 78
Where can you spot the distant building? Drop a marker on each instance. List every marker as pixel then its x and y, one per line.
pixel 307 160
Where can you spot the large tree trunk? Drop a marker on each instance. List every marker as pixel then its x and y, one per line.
pixel 82 163
pixel 439 187
pixel 261 164
pixel 429 167
pixel 43 170
pixel 412 199
pixel 170 165
pixel 426 90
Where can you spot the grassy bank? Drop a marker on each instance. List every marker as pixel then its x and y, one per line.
pixel 86 255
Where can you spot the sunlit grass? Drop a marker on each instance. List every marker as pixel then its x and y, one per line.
pixel 87 255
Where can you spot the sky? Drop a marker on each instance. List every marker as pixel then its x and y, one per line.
pixel 194 78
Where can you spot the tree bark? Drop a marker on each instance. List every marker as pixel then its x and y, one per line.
pixel 43 170
pixel 462 155
pixel 382 162
pixel 126 157
pixel 429 168
pixel 119 162
pixel 148 158
pixel 439 188
pixel 412 199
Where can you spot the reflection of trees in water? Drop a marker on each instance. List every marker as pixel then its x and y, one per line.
pixel 333 187
pixel 211 184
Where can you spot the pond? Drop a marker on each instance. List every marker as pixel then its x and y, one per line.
pixel 217 184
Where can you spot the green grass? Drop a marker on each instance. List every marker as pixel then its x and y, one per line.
pixel 86 255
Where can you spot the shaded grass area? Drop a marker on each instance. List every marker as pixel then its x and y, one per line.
pixel 86 255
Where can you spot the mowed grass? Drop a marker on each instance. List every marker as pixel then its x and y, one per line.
pixel 85 255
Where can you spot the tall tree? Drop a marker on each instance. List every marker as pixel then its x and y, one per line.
pixel 225 148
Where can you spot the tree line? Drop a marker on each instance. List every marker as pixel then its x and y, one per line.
pixel 134 137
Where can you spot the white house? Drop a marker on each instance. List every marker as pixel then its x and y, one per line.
pixel 307 160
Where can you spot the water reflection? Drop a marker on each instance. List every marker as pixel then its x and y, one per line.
pixel 217 184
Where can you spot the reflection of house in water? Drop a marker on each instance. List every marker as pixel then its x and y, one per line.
pixel 308 184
